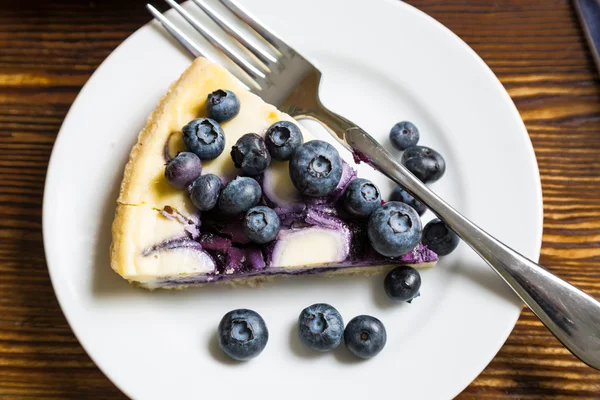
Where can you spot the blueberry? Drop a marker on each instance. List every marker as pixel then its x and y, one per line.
pixel 182 170
pixel 316 168
pixel 426 164
pixel 250 154
pixel 394 229
pixel 320 327
pixel 242 334
pixel 222 105
pixel 239 195
pixel 402 283
pixel 361 197
pixel 205 192
pixel 204 137
pixel 399 194
pixel 283 138
pixel 404 135
pixel 365 336
pixel 261 224
pixel 439 238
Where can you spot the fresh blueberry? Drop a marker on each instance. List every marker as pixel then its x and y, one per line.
pixel 404 135
pixel 394 229
pixel 222 105
pixel 204 137
pixel 426 164
pixel 365 336
pixel 283 138
pixel 239 195
pixel 242 334
pixel 250 154
pixel 362 197
pixel 316 168
pixel 205 192
pixel 320 327
pixel 261 224
pixel 402 283
pixel 399 194
pixel 181 171
pixel 439 238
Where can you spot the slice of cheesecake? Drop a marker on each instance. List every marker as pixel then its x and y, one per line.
pixel 160 240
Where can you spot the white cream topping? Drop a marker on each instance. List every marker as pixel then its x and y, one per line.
pixel 177 262
pixel 277 184
pixel 314 246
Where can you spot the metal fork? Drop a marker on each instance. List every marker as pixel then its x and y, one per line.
pixel 284 78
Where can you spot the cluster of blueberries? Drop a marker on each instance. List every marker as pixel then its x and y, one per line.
pixel 243 333
pixel 204 139
pixel 315 169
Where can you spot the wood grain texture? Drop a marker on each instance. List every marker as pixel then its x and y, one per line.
pixel 49 49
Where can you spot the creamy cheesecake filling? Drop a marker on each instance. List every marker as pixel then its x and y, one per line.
pixel 160 238
pixel 276 181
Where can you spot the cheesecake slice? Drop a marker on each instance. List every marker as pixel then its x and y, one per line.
pixel 160 240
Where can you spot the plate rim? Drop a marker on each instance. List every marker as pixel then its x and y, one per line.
pixel 397 3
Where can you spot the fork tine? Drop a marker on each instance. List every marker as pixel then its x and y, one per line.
pixel 181 37
pixel 256 74
pixel 264 56
pixel 267 35
pixel 188 43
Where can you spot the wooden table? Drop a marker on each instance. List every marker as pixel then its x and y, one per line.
pixel 48 51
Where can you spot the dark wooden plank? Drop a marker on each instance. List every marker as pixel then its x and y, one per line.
pixel 49 50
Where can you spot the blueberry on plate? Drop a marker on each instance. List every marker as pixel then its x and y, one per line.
pixel 261 224
pixel 399 194
pixel 250 154
pixel 320 327
pixel 402 283
pixel 365 336
pixel 242 334
pixel 239 195
pixel 404 135
pixel 204 137
pixel 316 168
pixel 394 229
pixel 205 192
pixel 361 197
pixel 182 170
pixel 426 164
pixel 283 138
pixel 439 238
pixel 222 105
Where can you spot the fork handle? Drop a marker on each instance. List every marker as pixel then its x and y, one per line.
pixel 569 313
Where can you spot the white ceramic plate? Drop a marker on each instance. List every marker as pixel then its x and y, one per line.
pixel 383 62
